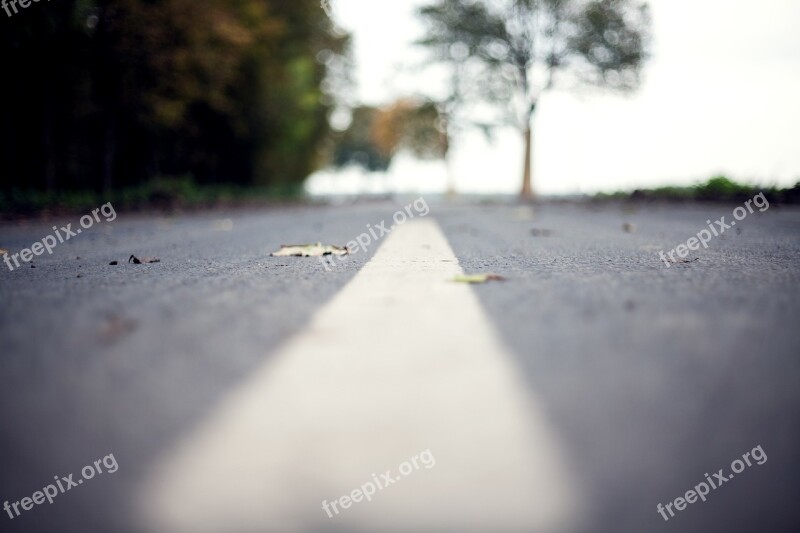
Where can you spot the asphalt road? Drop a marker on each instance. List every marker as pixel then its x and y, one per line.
pixel 652 376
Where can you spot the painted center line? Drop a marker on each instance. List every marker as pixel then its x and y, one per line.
pixel 399 362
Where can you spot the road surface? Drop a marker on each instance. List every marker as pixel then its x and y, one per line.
pixel 238 391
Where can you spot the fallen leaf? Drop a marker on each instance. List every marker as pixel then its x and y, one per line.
pixel 538 232
pixel 477 278
pixel 627 227
pixel 145 260
pixel 680 261
pixel 309 250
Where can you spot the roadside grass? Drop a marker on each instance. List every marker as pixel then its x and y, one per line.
pixel 716 189
pixel 163 194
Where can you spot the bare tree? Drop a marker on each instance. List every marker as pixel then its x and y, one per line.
pixel 517 49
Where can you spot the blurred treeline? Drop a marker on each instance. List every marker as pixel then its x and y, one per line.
pixel 377 134
pixel 106 95
pixel 716 189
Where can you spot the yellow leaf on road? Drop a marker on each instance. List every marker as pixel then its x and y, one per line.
pixel 309 250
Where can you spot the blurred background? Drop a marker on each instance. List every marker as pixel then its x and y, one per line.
pixel 172 337
pixel 219 100
pixel 717 96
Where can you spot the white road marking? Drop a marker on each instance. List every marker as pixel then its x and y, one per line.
pixel 400 361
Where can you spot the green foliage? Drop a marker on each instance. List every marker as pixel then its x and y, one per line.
pixel 376 135
pixel 610 38
pixel 356 145
pixel 507 52
pixel 722 188
pixel 110 94
pixel 412 125
pixel 716 189
pixel 165 193
pixel 527 43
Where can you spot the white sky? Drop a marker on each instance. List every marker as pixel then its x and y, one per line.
pixel 721 94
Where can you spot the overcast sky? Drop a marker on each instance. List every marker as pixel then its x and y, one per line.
pixel 721 95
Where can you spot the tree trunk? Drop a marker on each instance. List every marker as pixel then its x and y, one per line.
pixel 49 145
pixel 527 189
pixel 110 152
pixel 448 162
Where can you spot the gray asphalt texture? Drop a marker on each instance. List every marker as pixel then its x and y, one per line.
pixel 652 376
